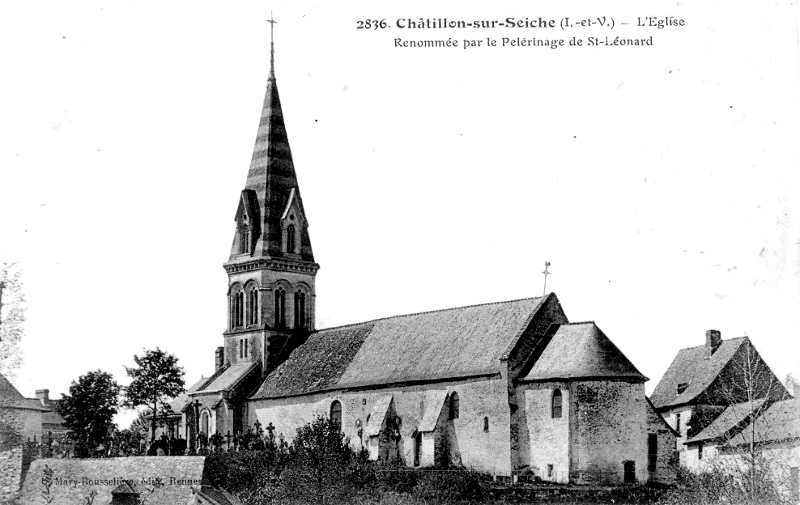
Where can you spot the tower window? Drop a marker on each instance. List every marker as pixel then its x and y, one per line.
pixel 280 308
pixel 486 424
pixel 237 308
pixel 299 309
pixel 290 239
pixel 244 238
pixel 555 410
pixel 252 306
pixel 454 406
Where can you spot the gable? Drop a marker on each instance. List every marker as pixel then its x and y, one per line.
pixel 429 346
pixel 696 370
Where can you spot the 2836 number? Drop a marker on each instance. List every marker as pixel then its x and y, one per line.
pixel 371 24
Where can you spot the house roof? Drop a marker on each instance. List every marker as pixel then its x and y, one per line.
pixel 774 422
pixel 182 399
pixel 428 346
pixel 725 425
pixel 178 473
pixel 693 367
pixel 226 379
pixel 582 351
pixel 11 398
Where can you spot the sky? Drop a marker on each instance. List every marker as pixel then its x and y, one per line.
pixel 662 182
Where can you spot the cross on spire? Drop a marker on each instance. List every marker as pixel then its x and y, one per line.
pixel 545 273
pixel 271 22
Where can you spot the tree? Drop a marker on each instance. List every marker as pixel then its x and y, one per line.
pixel 320 469
pixel 88 410
pixel 156 379
pixel 750 391
pixel 12 317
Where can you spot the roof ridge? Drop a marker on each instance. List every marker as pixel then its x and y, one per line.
pixel 427 312
pixel 743 337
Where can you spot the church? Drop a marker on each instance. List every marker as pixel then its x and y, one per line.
pixel 508 388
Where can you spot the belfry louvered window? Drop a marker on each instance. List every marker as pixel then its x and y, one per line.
pixel 280 308
pixel 252 306
pixel 237 309
pixel 290 239
pixel 299 309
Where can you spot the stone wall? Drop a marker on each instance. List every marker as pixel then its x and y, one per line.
pixel 666 468
pixel 548 451
pixel 468 443
pixel 10 473
pixel 608 421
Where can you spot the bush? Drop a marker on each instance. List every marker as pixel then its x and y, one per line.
pixel 455 483
pixel 322 466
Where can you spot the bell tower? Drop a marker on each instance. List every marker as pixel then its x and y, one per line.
pixel 271 268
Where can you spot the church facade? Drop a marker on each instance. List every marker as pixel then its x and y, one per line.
pixel 507 388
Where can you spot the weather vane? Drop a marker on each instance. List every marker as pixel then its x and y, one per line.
pixel 545 273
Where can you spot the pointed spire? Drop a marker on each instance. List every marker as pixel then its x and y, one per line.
pixel 272 177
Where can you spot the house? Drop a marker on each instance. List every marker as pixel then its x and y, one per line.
pixel 507 388
pixel 703 381
pixel 145 479
pixel 52 422
pixel 20 421
pixel 762 432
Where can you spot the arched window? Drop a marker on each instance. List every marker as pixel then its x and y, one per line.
pixel 204 422
pixel 252 306
pixel 237 308
pixel 280 308
pixel 290 239
pixel 240 309
pixel 454 405
pixel 336 413
pixel 486 424
pixel 556 404
pixel 299 309
pixel 241 349
pixel 246 348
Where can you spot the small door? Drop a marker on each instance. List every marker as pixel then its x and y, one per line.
pixel 630 472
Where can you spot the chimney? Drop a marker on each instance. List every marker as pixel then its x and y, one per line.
pixel 219 358
pixel 713 341
pixel 43 395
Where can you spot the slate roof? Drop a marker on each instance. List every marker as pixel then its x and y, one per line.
pixel 692 367
pixel 226 379
pixel 775 422
pixel 273 179
pixel 188 470
pixel 428 346
pixel 726 423
pixel 182 399
pixel 11 398
pixel 582 351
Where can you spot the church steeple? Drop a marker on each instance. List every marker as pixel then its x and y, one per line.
pixel 271 268
pixel 272 182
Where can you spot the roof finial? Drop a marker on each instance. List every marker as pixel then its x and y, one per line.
pixel 545 273
pixel 271 22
